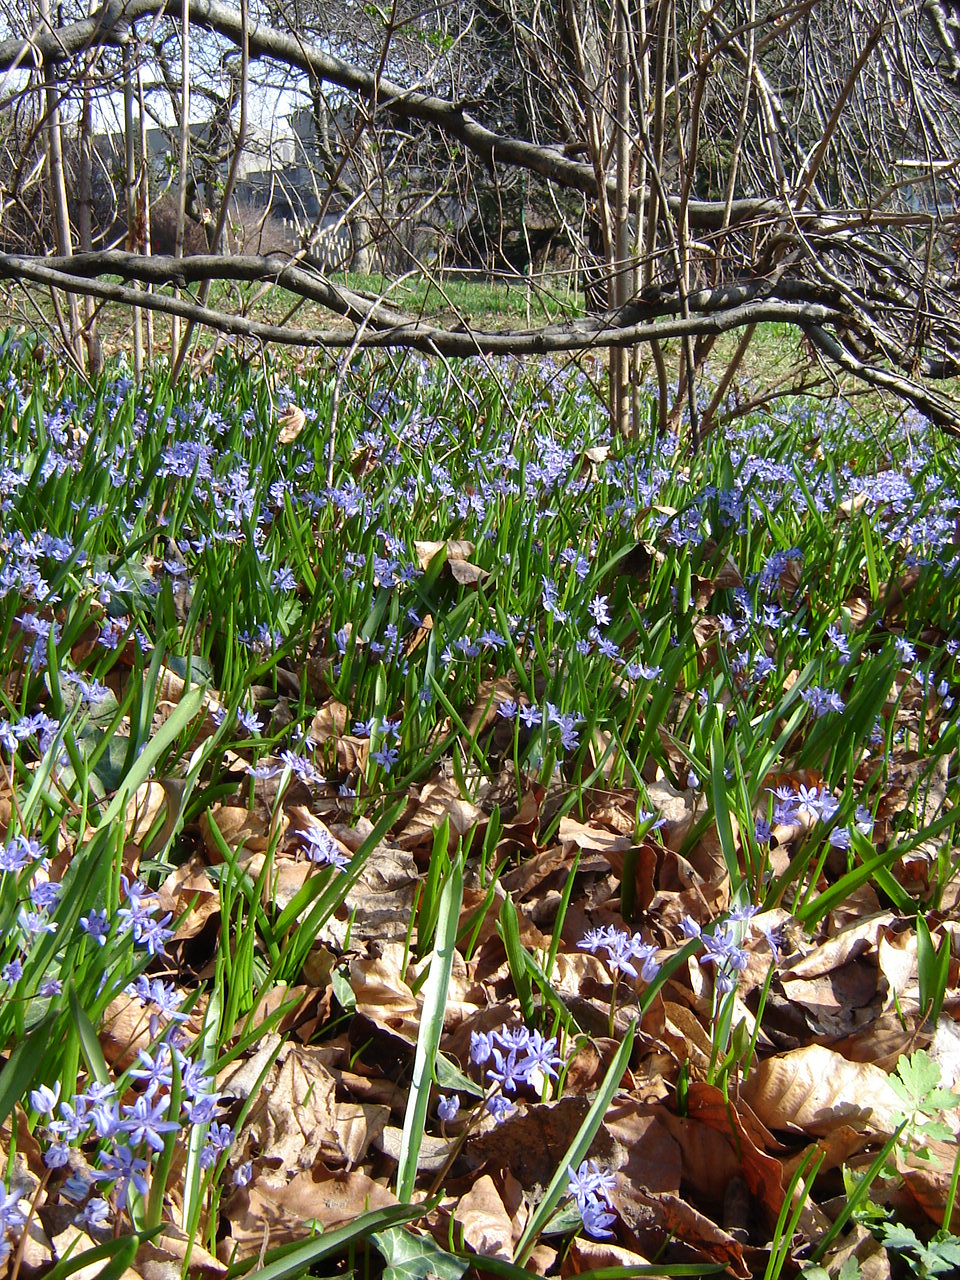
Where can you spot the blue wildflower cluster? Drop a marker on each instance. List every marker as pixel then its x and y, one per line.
pixel 592 1190
pixel 724 946
pixel 620 949
pixel 517 1057
pixel 104 1140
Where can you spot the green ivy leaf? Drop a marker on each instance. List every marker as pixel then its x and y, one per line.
pixel 414 1257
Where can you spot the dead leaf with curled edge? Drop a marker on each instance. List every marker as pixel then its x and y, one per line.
pixel 673 1216
pixel 243 831
pixel 456 553
pixel 467 573
pixel 762 1173
pixel 532 1141
pixel 143 809
pixel 190 896
pixel 489 696
pixel 419 636
pixel 427 551
pixel 291 423
pixel 815 1090
pixel 303 820
pixel 928 1180
pixel 651 1155
pixel 330 722
pixel 126 1028
pixel 594 1255
pixel 274 1210
pixel 488 1228
pixel 169 1254
pixel 439 800
pixel 852 506
pixel 296 1120
pixel 383 996
pixel 726 573
pixel 591 838
pixel 453 548
pixel 378 906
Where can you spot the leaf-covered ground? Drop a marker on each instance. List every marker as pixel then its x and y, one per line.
pixel 435 837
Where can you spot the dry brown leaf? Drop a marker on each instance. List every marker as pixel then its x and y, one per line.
pixel 272 1211
pixel 466 573
pixel 871 1257
pixel 189 892
pixel 287 877
pixel 436 801
pixel 532 1141
pixel 709 1162
pixel 857 940
pixel 383 996
pixel 352 753
pixel 591 1255
pixel 142 810
pixel 853 506
pixel 678 808
pixel 459 549
pixel 680 1220
pixel 456 549
pixel 489 696
pixel 836 1148
pixel 426 551
pixel 592 838
pixel 243 832
pixel 487 1226
pixel 72 1242
pixel 706 856
pixel 378 906
pixel 125 1030
pixel 164 1257
pixel 929 1180
pixel 897 955
pixel 296 1119
pixel 650 1153
pixel 816 1090
pixel 762 1173
pixel 434 1152
pixel 291 423
pixel 881 1042
pixel 330 722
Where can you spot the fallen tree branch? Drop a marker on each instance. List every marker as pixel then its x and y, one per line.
pixel 394 330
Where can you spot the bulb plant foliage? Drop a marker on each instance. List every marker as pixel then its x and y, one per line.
pixel 488 592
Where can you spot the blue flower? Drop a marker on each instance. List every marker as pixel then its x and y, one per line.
pixel 499 1107
pixel 530 715
pixel 321 848
pixel 96 926
pixel 96 1214
pixel 386 757
pixel 145 1122
pixel 592 1188
pixel 123 1169
pixel 447 1107
pixel 621 950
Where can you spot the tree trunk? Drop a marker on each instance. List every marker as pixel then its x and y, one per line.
pixel 53 141
pixel 85 214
